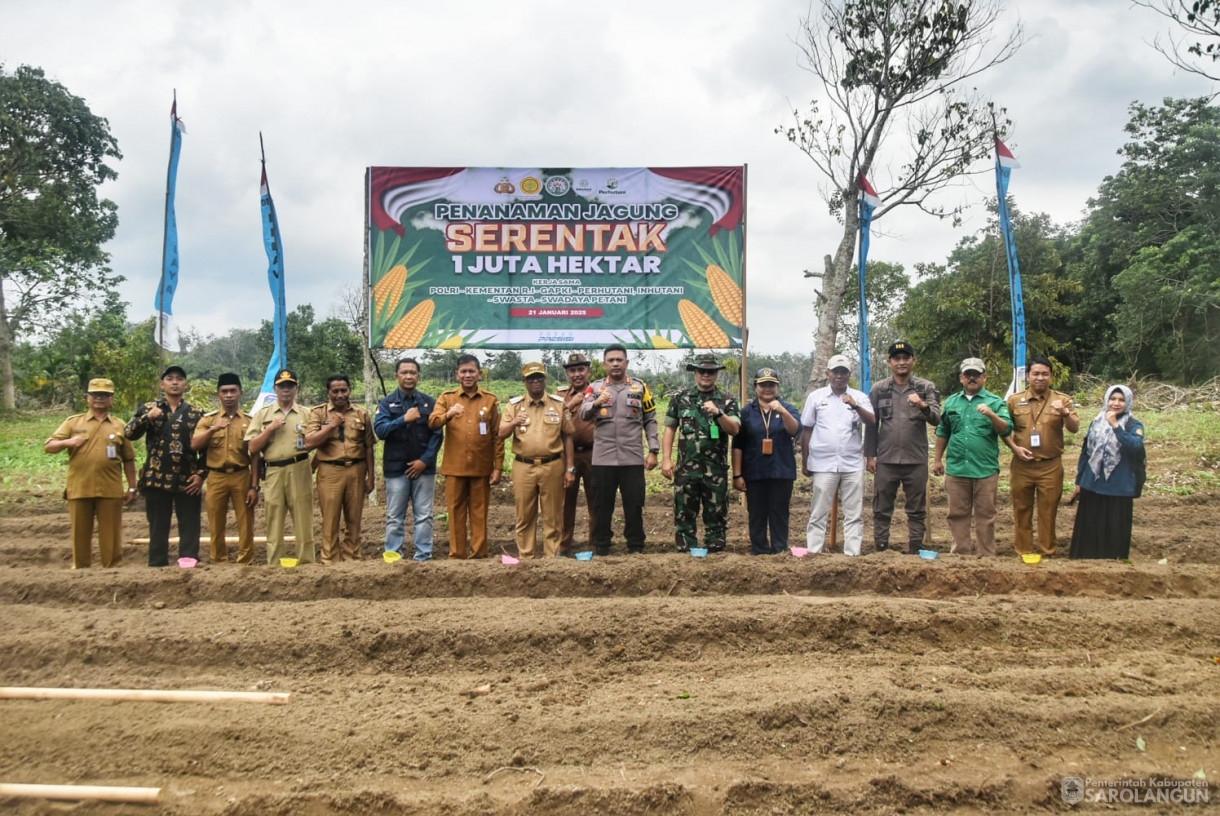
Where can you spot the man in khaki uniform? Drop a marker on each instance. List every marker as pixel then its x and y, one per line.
pixel 277 437
pixel 473 456
pixel 99 453
pixel 577 369
pixel 542 452
pixel 223 434
pixel 342 435
pixel 1039 417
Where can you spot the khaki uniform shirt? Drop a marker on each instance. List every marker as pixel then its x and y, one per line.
pixel 228 447
pixel 1031 414
pixel 541 437
pixel 357 430
pixel 473 446
pixel 582 435
pixel 288 441
pixel 92 472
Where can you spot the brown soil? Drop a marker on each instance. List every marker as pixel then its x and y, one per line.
pixel 644 684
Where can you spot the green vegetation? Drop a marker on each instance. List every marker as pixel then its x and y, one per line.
pixel 28 470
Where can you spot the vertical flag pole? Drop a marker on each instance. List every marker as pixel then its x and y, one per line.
pixel 869 201
pixel 275 280
pixel 1005 161
pixel 745 332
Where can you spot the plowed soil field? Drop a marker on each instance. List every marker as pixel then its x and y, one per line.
pixel 642 684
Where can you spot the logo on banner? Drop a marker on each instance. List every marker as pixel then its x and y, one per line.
pixel 557 185
pixel 530 185
pixel 504 187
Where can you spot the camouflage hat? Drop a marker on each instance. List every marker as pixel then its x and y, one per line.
pixel 532 370
pixel 100 385
pixel 705 362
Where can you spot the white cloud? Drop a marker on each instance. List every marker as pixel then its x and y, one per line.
pixel 338 87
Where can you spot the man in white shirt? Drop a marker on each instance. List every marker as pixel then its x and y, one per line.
pixel 832 437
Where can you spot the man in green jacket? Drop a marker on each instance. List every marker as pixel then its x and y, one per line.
pixel 971 424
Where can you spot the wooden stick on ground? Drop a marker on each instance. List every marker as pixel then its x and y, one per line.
pixel 230 537
pixel 144 695
pixel 100 793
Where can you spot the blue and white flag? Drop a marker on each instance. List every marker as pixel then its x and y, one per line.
pixel 1005 161
pixel 275 279
pixel 869 201
pixel 167 327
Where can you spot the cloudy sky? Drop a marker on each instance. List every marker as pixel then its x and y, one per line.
pixel 337 87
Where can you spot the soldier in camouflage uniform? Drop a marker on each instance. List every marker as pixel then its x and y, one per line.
pixel 703 418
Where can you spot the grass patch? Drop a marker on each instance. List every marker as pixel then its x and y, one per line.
pixel 26 468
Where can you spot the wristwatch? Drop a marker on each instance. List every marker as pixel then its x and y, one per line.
pixel 571 470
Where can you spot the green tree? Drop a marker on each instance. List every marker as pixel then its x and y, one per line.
pixel 57 368
pixel 53 154
pixel 1169 183
pixel 1199 20
pixel 133 362
pixel 964 309
pixel 893 70
pixel 316 350
pixel 1169 318
pixel 885 289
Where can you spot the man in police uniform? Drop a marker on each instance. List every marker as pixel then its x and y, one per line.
pixel 542 460
pixel 896 448
pixel 222 434
pixel 342 435
pixel 99 453
pixel 577 369
pixel 621 408
pixel 703 418
pixel 473 458
pixel 1039 417
pixel 277 437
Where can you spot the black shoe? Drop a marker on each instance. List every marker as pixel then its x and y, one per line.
pixel 635 550
pixel 880 547
pixel 567 554
pixel 601 550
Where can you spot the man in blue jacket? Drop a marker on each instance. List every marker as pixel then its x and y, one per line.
pixel 408 460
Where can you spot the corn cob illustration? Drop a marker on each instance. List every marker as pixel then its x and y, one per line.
pixel 726 293
pixel 389 289
pixel 659 342
pixel 454 342
pixel 700 328
pixel 410 330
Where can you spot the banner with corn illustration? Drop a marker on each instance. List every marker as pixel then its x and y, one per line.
pixel 500 257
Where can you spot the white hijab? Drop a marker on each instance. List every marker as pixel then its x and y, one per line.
pixel 1104 451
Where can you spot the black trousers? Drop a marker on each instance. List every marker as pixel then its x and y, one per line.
pixel 768 501
pixel 160 506
pixel 609 480
pixel 913 479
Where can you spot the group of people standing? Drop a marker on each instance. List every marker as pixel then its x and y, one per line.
pixel 604 435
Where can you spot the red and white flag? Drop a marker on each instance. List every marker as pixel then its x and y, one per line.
pixel 1004 156
pixel 867 192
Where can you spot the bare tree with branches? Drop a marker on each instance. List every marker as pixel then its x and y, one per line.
pixel 892 71
pixel 1200 22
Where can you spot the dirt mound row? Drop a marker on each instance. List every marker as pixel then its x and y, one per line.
pixel 672 575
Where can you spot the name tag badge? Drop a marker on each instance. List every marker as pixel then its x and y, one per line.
pixel 767 447
pixel 1035 440
pixel 482 429
pixel 300 443
pixel 112 452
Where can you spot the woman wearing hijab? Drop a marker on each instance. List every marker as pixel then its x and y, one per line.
pixel 1109 477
